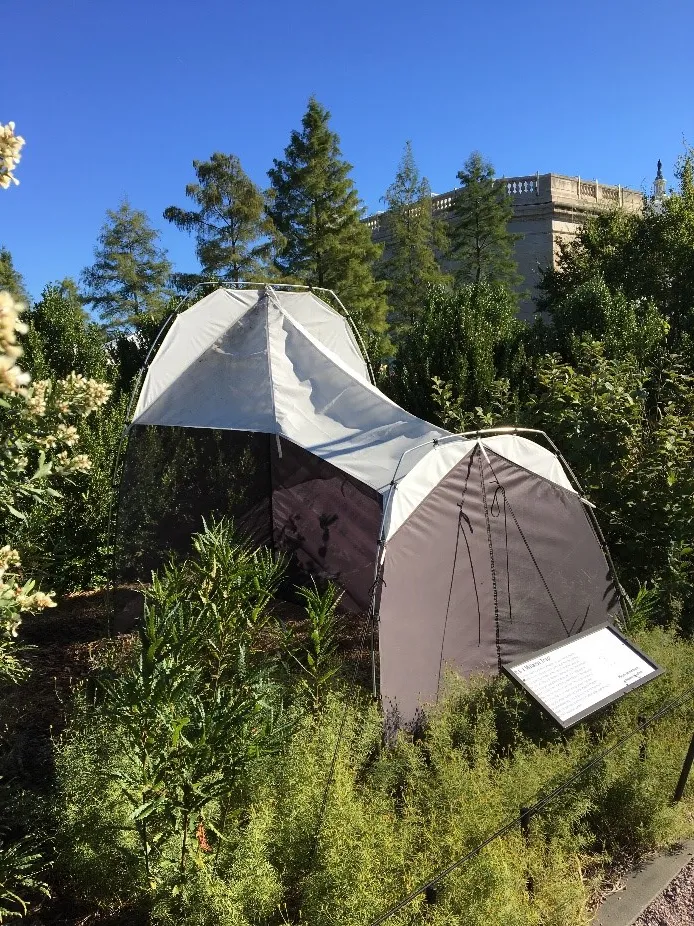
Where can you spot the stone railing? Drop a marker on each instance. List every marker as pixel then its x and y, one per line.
pixel 373 222
pixel 442 202
pixel 575 188
pixel 522 186
pixel 556 188
pixel 588 189
pixel 609 192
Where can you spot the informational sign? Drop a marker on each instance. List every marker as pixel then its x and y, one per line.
pixel 578 676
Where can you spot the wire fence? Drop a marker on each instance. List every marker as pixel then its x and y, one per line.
pixel 427 888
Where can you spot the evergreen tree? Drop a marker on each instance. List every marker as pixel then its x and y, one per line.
pixel 234 237
pixel 131 273
pixel 317 210
pixel 467 337
pixel 11 279
pixel 481 242
pixel 61 338
pixel 415 237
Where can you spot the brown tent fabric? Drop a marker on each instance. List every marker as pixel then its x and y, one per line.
pixel 328 521
pixel 494 563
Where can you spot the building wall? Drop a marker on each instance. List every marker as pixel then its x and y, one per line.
pixel 547 208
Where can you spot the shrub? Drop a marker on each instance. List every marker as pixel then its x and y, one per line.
pixel 208 794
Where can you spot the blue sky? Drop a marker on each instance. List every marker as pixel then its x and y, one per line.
pixel 117 99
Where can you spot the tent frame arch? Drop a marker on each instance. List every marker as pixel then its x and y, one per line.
pixel 477 435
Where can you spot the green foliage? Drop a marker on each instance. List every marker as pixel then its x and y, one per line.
pixel 234 237
pixel 623 326
pixel 11 279
pixel 501 406
pixel 648 257
pixel 205 800
pixel 22 867
pixel 65 539
pixel 61 338
pixel 627 431
pixel 480 240
pixel 468 337
pixel 316 209
pixel 415 240
pixel 316 659
pixel 130 274
pixel 200 703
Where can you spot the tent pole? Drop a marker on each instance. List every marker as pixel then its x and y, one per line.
pixel 273 546
pixel 373 658
pixel 355 330
pixel 373 617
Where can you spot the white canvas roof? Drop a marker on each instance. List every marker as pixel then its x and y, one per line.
pixel 287 364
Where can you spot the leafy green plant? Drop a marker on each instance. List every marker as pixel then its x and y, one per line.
pixel 200 703
pixel 317 657
pixel 627 430
pixel 392 815
pixel 21 871
pixel 22 867
pixel 468 337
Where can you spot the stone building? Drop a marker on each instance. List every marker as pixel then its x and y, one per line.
pixel 547 209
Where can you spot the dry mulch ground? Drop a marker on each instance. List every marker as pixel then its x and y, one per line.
pixel 64 646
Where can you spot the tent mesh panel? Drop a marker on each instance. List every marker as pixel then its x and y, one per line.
pixel 173 478
pixel 276 493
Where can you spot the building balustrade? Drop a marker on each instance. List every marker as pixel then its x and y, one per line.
pixel 519 186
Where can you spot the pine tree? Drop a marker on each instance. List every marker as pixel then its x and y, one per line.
pixel 131 273
pixel 481 243
pixel 234 236
pixel 317 210
pixel 11 279
pixel 415 238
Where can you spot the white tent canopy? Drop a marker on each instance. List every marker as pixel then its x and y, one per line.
pixel 285 363
pixel 469 551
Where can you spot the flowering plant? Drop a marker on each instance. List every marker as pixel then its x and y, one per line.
pixel 39 442
pixel 15 598
pixel 10 148
pixel 39 438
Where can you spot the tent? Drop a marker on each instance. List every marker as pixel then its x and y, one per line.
pixel 466 550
